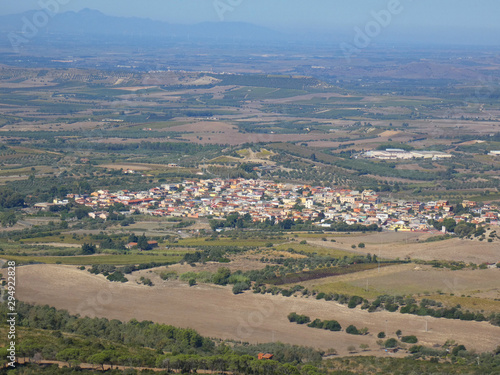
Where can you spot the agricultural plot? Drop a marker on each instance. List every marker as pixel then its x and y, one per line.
pixel 126 259
pixel 472 289
pixel 247 317
pixel 414 246
pixel 80 133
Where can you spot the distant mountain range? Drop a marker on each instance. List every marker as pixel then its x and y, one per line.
pixel 93 22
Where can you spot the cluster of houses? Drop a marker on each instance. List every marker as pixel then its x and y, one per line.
pixel 267 200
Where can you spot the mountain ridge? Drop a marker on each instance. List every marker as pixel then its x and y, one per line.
pixel 93 22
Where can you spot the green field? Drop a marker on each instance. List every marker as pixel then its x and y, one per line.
pixel 322 251
pixel 63 239
pixel 193 242
pixel 341 287
pixel 97 259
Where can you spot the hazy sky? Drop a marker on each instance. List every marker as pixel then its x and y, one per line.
pixel 455 17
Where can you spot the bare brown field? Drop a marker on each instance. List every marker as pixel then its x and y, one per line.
pixel 390 133
pixel 477 302
pixel 412 279
pixel 204 127
pixel 404 244
pixel 132 140
pixel 216 312
pixel 134 88
pixel 217 91
pixel 234 137
pixel 81 125
pixel 293 99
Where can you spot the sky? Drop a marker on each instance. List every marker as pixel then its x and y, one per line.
pixel 453 18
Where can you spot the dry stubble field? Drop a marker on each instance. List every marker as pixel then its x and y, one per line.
pixel 216 312
pixel 411 279
pixel 411 244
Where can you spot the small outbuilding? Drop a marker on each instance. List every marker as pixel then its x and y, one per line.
pixel 265 356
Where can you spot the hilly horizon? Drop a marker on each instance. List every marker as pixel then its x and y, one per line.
pixel 93 22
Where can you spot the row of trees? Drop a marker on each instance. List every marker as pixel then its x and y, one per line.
pixel 223 276
pixel 461 229
pixel 427 307
pixel 234 220
pixel 330 325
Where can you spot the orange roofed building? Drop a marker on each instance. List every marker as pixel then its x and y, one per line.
pixel 265 356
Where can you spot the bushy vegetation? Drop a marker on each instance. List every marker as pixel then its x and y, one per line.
pixel 448 313
pixel 353 330
pixel 409 339
pixel 212 254
pixel 284 353
pixel 223 276
pixel 10 199
pixel 114 273
pixel 117 276
pixel 299 319
pixel 56 335
pixel 427 307
pixel 143 334
pixel 234 220
pixel 330 325
pixel 391 343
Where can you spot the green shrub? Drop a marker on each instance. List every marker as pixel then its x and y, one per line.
pixel 222 276
pixel 117 276
pixel 458 349
pixel 320 295
pixel 240 287
pixel 332 325
pixel 316 323
pixel 299 319
pixel 169 275
pixel 409 339
pixel 391 343
pixel 415 349
pixel 354 301
pixel 352 330
pixel 146 281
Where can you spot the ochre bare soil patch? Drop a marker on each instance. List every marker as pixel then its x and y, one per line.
pixel 404 244
pixel 216 312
